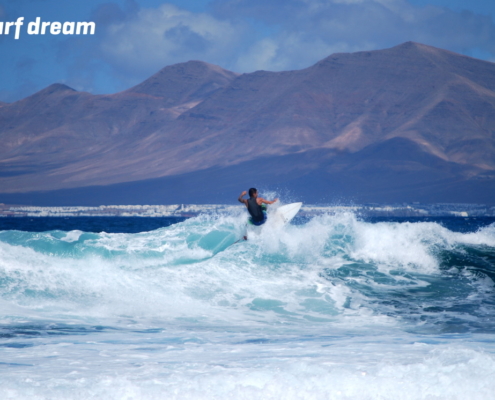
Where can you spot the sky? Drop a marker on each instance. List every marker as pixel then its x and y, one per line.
pixel 134 39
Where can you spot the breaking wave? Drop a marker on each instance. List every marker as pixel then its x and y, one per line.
pixel 330 307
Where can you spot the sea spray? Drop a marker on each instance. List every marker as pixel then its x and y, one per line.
pixel 330 307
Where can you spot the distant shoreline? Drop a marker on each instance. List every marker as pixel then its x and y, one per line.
pixel 190 210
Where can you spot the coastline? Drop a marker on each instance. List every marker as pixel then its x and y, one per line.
pixel 191 210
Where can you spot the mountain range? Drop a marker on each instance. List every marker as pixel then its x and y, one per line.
pixel 412 123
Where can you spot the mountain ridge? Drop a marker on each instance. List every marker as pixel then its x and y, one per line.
pixel 195 116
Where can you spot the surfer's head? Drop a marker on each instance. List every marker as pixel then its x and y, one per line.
pixel 253 192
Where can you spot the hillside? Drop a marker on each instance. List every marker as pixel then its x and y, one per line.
pixel 408 123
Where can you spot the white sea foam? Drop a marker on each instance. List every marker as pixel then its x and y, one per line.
pixel 72 236
pixel 190 263
pixel 334 308
pixel 254 371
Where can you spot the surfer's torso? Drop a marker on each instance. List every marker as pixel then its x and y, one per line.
pixel 255 210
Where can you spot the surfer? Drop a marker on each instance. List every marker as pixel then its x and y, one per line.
pixel 254 205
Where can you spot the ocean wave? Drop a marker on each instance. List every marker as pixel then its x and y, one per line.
pixel 335 268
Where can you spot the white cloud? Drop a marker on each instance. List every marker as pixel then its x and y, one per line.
pixel 248 35
pixel 167 35
pixel 289 51
pixel 240 35
pixel 309 30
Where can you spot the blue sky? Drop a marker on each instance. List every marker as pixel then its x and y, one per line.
pixel 136 38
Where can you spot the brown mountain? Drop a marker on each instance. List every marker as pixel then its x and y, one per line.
pixel 59 137
pixel 408 123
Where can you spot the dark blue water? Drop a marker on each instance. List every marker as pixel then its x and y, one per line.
pixel 87 224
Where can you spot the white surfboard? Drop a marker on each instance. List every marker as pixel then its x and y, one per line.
pixel 288 211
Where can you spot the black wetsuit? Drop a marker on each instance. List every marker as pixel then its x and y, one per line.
pixel 257 214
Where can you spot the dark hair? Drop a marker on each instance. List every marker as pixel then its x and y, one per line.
pixel 252 191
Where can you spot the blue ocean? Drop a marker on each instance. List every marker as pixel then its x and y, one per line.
pixel 328 307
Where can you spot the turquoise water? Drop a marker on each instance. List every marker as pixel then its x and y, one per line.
pixel 331 307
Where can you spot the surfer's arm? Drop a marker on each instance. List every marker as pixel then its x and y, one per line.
pixel 241 200
pixel 263 201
